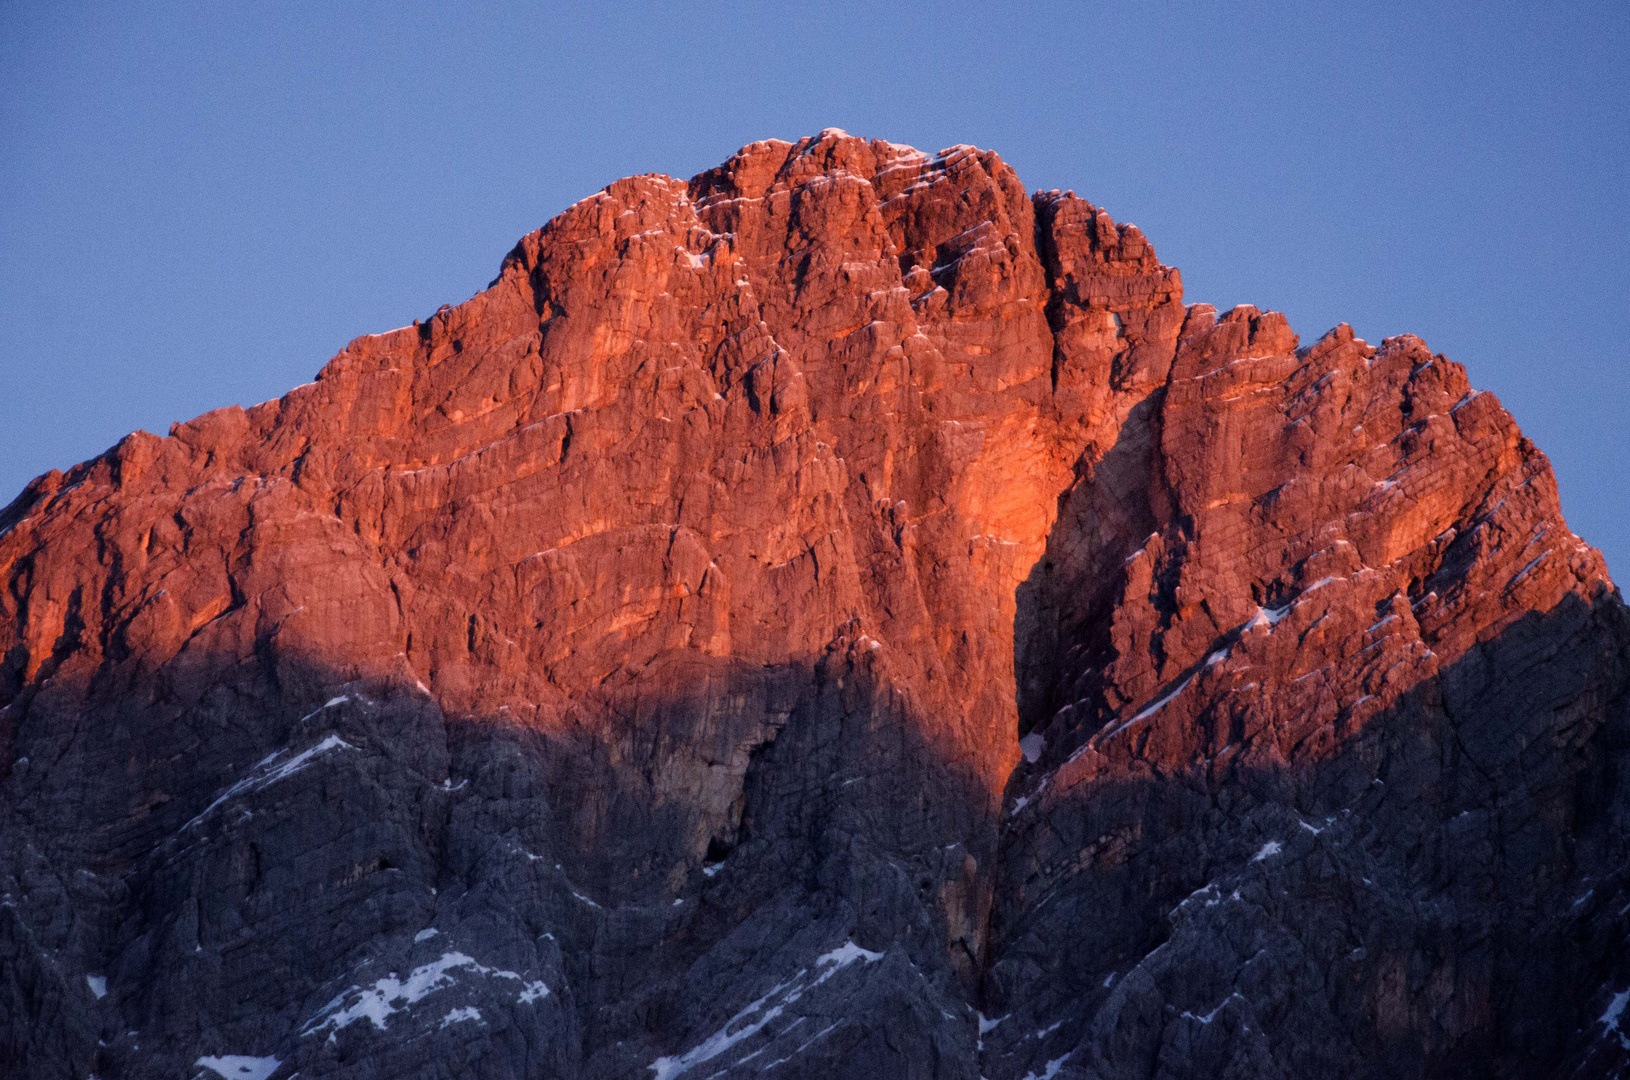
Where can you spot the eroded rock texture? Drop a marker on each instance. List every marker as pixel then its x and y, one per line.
pixel 839 616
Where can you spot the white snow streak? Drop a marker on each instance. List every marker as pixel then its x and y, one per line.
pixel 806 1045
pixel 269 772
pixel 1615 1009
pixel 1150 711
pixel 391 995
pixel 739 1027
pixel 1212 1015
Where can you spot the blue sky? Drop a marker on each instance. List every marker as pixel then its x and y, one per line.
pixel 201 203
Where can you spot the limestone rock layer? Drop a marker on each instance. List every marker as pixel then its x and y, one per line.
pixel 843 615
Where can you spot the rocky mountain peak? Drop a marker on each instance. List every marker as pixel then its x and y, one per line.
pixel 842 614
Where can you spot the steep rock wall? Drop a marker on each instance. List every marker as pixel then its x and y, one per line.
pixel 787 619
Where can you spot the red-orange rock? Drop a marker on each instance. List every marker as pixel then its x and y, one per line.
pixel 659 628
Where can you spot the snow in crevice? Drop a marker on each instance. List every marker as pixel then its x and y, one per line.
pixel 1378 625
pixel 1209 894
pixel 667 1068
pixel 1149 710
pixel 329 704
pixel 271 769
pixel 759 1014
pixel 239 1067
pixel 1212 1015
pixel 1269 617
pixel 1615 1010
pixel 391 995
pixel 1050 1070
pixel 805 1046
pixel 1535 561
pixel 841 957
pixel 465 1015
pixel 1031 747
pixel 1025 800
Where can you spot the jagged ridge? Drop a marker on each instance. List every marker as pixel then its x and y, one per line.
pixel 636 659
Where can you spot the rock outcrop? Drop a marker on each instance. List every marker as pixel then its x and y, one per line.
pixel 843 615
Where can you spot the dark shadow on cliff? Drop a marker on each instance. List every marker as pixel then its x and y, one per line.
pixel 1443 893
pixel 231 842
pixel 1066 602
pixel 719 833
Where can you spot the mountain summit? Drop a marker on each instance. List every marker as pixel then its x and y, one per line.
pixel 842 615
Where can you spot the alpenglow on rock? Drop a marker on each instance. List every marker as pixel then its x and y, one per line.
pixel 841 616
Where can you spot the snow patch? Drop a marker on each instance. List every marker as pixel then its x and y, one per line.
pixel 239 1067
pixel 1535 561
pixel 1051 1070
pixel 459 1016
pixel 1031 746
pixel 533 991
pixel 1268 850
pixel 98 985
pixel 740 1027
pixel 1615 1009
pixel 392 995
pixel 1269 617
pixel 842 957
pixel 667 1068
pixel 425 935
pixel 269 771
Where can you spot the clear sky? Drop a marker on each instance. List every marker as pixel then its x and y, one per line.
pixel 201 203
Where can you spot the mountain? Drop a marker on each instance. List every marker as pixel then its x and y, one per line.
pixel 842 615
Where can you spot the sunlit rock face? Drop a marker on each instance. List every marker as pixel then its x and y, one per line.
pixel 843 615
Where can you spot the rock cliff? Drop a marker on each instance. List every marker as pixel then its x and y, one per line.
pixel 843 615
